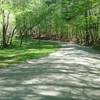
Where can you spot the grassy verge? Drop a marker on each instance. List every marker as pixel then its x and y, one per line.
pixel 30 50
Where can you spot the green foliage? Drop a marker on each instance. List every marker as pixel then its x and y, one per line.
pixel 64 19
pixel 30 50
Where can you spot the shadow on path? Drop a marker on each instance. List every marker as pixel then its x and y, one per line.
pixel 71 73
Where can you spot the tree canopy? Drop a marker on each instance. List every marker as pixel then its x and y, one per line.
pixel 66 20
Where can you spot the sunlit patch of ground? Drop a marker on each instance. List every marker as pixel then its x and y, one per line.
pixel 29 50
pixel 71 73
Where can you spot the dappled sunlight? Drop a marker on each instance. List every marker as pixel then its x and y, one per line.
pixel 29 50
pixel 48 93
pixel 32 81
pixel 68 74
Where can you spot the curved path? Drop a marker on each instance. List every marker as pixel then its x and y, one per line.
pixel 71 73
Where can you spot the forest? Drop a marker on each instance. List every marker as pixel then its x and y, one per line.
pixel 64 20
pixel 49 49
pixel 24 24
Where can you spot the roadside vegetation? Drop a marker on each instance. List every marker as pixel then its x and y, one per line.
pixel 30 50
pixel 61 20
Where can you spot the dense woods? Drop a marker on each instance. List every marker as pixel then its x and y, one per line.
pixel 64 20
pixel 49 49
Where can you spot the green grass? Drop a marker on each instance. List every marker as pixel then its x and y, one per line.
pixel 30 50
